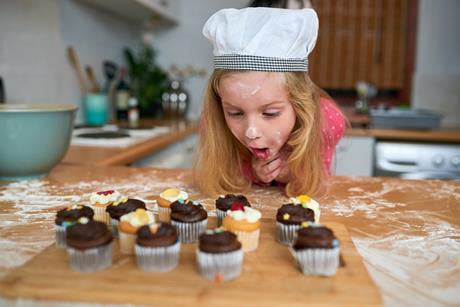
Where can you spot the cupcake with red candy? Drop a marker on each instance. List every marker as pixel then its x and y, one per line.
pixel 99 202
pixel 225 202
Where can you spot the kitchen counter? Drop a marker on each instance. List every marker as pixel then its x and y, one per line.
pixel 430 136
pixel 407 232
pixel 116 156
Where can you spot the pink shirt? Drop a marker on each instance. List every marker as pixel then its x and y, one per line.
pixel 333 128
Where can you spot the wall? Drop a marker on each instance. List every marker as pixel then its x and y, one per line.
pixel 33 40
pixel 437 70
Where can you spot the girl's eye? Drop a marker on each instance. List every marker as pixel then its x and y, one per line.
pixel 234 113
pixel 271 114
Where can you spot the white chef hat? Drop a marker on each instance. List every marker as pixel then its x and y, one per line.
pixel 263 39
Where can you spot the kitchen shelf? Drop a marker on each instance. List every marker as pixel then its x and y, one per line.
pixel 140 11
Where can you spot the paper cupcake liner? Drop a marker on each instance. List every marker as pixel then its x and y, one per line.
pixel 317 261
pixel 220 265
pixel 60 235
pixel 101 215
pixel 164 214
pixel 114 228
pixel 286 234
pixel 90 260
pixel 249 239
pixel 127 242
pixel 189 232
pixel 220 216
pixel 157 259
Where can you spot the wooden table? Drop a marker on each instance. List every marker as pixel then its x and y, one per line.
pixel 406 231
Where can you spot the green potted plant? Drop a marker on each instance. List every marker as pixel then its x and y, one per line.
pixel 148 80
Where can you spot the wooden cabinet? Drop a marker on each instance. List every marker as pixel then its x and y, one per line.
pixel 354 156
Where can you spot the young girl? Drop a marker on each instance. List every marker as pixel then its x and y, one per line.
pixel 264 121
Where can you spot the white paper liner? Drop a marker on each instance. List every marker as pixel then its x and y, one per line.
pixel 127 242
pixel 164 214
pixel 114 228
pixel 220 265
pixel 60 235
pixel 249 239
pixel 189 232
pixel 317 261
pixel 101 215
pixel 285 234
pixel 90 260
pixel 157 259
pixel 220 216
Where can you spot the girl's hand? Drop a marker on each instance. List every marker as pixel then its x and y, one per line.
pixel 275 168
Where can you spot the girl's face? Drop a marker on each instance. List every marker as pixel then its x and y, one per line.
pixel 257 110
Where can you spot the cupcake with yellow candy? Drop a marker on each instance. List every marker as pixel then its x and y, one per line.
pixel 289 219
pixel 122 206
pixel 165 199
pixel 99 202
pixel 307 202
pixel 128 226
pixel 245 223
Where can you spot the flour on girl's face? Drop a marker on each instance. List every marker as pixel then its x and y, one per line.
pixel 247 90
pixel 252 133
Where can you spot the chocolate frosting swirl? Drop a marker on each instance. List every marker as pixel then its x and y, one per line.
pixel 297 214
pixel 187 212
pixel 73 215
pixel 166 235
pixel 225 203
pixel 130 205
pixel 315 237
pixel 89 235
pixel 219 242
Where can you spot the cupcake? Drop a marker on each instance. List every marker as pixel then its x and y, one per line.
pixel 316 250
pixel 245 223
pixel 219 255
pixel 89 245
pixel 157 247
pixel 99 201
pixel 190 218
pixel 67 217
pixel 165 199
pixel 288 220
pixel 128 226
pixel 121 207
pixel 307 202
pixel 224 203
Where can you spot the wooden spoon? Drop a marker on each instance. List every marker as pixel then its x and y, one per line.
pixel 93 86
pixel 73 58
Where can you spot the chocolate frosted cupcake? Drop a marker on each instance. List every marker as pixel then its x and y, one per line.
pixel 307 202
pixel 288 220
pixel 190 218
pixel 67 217
pixel 89 245
pixel 219 255
pixel 224 203
pixel 123 206
pixel 157 247
pixel 316 250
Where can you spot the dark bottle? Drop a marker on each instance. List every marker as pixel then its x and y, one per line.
pixel 2 92
pixel 122 95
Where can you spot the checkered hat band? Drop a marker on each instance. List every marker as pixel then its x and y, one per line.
pixel 259 63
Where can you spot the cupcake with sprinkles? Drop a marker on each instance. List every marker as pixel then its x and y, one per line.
pixel 190 218
pixel 307 202
pixel 165 199
pixel 289 219
pixel 225 202
pixel 122 206
pixel 99 202
pixel 219 255
pixel 157 247
pixel 89 245
pixel 245 223
pixel 129 225
pixel 67 217
pixel 316 250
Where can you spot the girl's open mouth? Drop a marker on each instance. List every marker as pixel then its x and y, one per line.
pixel 261 153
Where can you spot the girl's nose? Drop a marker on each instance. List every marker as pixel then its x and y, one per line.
pixel 252 132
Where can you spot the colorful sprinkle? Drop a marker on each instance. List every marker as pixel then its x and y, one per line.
pixel 105 193
pixel 83 220
pixel 237 206
pixel 304 199
pixel 305 224
pixel 286 216
pixel 171 192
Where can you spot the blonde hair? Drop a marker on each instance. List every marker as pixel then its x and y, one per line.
pixel 220 156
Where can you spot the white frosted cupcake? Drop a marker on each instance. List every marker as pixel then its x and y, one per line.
pixel 316 250
pixel 219 255
pixel 165 199
pixel 129 225
pixel 99 202
pixel 89 245
pixel 245 223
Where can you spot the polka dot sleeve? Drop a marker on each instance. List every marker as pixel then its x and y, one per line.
pixel 333 130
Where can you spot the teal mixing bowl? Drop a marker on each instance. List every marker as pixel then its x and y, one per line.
pixel 33 138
